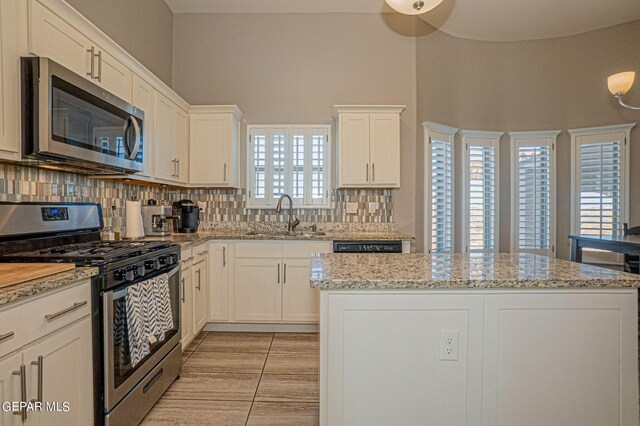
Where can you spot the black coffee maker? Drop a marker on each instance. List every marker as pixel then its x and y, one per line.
pixel 186 215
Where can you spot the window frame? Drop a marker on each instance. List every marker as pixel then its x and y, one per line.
pixel 446 133
pixel 270 202
pixel 576 134
pixel 490 139
pixel 533 138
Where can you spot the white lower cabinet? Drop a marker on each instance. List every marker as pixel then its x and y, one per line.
pixel 219 265
pixel 186 298
pixel 257 288
pixel 271 281
pixel 10 388
pixel 64 361
pixel 200 277
pixel 48 358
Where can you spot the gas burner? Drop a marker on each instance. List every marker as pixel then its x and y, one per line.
pixel 95 252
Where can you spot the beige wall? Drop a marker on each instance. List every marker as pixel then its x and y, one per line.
pixel 537 85
pixel 292 69
pixel 142 27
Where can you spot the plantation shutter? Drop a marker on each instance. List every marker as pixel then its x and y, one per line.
pixel 481 191
pixel 533 161
pixel 600 202
pixel 441 196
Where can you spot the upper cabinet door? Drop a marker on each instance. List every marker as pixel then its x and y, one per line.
pixel 52 37
pixel 384 150
pixel 112 75
pixel 214 142
pixel 210 149
pixel 181 140
pixel 165 153
pixel 144 98
pixel 354 150
pixel 9 80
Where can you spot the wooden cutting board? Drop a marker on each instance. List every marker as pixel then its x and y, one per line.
pixel 15 273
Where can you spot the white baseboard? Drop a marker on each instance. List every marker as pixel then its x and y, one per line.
pixel 264 328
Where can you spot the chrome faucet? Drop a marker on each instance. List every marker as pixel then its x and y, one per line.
pixel 293 221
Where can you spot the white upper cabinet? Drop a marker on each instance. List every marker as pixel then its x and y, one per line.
pixel 9 80
pixel 52 36
pixel 181 139
pixel 215 145
pixel 368 146
pixel 171 141
pixel 144 98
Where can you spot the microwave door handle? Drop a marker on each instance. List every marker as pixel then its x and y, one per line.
pixel 136 144
pixel 125 136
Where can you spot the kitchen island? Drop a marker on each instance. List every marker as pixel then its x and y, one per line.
pixel 507 339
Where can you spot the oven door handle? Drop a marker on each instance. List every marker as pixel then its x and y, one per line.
pixel 123 291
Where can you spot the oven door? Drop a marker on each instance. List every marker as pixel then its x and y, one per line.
pixel 123 370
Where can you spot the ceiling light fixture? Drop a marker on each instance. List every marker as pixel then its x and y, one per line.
pixel 413 7
pixel 619 84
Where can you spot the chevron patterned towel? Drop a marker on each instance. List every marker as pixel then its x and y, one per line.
pixel 149 315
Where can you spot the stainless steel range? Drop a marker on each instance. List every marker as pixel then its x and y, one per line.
pixel 136 355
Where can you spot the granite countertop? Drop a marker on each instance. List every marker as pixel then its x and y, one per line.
pixel 14 293
pixel 458 271
pixel 186 240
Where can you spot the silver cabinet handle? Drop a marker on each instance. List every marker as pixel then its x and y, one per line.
pixel 373 171
pixel 284 281
pixel 99 66
pixel 225 172
pixel 7 336
pixel 203 252
pixel 278 273
pixel 23 390
pixel 51 317
pixel 92 67
pixel 178 172
pixel 40 365
pixel 198 271
pixel 367 172
pixel 183 290
pixel 224 257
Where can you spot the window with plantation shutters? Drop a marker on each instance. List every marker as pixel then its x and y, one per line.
pixel 291 160
pixel 600 184
pixel 533 192
pixel 439 188
pixel 481 174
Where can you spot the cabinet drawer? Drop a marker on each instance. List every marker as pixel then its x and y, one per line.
pixel 55 310
pixel 186 256
pixel 11 321
pixel 200 253
pixel 304 249
pixel 259 249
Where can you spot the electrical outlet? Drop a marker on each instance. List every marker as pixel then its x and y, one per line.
pixel 449 345
pixel 373 207
pixel 352 208
pixel 202 205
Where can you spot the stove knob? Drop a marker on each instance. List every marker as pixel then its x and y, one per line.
pixel 138 271
pixel 129 275
pixel 172 259
pixel 152 265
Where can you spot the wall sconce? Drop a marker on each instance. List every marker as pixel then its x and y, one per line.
pixel 619 84
pixel 413 7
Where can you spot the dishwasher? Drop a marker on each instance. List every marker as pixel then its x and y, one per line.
pixel 393 246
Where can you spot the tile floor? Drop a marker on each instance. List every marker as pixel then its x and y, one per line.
pixel 244 379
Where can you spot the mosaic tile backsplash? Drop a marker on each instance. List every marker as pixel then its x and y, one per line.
pixel 18 183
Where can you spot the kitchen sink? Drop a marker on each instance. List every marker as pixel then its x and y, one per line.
pixel 286 234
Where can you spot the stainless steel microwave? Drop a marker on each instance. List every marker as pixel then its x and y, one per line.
pixel 71 123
